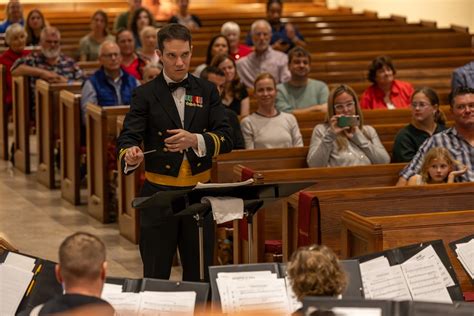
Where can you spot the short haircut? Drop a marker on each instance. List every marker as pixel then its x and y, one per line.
pixel 228 27
pixel 47 30
pixel 121 31
pixel 298 52
pixel 173 31
pixel 106 43
pixel 13 30
pixel 270 2
pixel 264 75
pixel 211 70
pixel 261 21
pixel 378 63
pixel 459 91
pixel 81 257
pixel 148 29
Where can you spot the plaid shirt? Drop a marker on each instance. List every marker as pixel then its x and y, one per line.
pixel 458 147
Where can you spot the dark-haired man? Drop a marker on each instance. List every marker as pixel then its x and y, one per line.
pixel 181 122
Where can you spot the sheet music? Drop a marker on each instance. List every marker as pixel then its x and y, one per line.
pixel 20 261
pixel 425 281
pixel 263 295
pixel 465 252
pixel 247 275
pixel 292 300
pixel 430 253
pixel 111 288
pixel 13 285
pixel 125 303
pixel 167 303
pixel 200 185
pixel 356 311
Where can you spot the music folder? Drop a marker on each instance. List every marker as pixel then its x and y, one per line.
pixel 454 245
pixel 353 307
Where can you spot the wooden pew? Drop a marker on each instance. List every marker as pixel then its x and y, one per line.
pixel 363 234
pixel 326 207
pixel 70 145
pixel 3 117
pixel 101 128
pixel 21 123
pixel 47 127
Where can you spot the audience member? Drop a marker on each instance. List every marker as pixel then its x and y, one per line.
pixel 151 71
pixel 217 45
pixel 463 77
pixel 217 77
pixel 285 36
pixel 301 94
pixel 426 120
pixel 149 40
pixel 15 37
pixel 385 92
pixel 316 271
pixel 231 31
pixel 131 62
pixel 335 144
pixel 183 17
pixel 121 22
pixel 89 44
pixel 264 58
pixel 13 13
pixel 438 167
pixel 109 85
pixel 35 23
pixel 267 127
pixel 140 19
pixel 81 270
pixel 235 95
pixel 458 140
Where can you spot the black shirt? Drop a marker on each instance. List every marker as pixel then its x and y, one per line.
pixel 69 302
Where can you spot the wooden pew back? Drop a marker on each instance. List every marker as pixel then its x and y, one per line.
pixel 21 122
pixel 3 116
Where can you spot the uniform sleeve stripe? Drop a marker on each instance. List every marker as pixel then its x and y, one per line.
pixel 217 144
pixel 122 153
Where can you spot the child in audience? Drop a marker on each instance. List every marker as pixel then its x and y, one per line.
pixel 438 167
pixel 316 271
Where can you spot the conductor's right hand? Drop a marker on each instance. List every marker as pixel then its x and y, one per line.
pixel 133 156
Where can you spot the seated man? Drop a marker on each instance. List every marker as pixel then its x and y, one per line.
pixel 121 22
pixel 183 17
pixel 264 58
pixel 81 270
pixel 301 94
pixel 463 77
pixel 13 13
pixel 109 85
pixel 458 140
pixel 217 77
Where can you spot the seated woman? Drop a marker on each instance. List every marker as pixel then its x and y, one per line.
pixel 344 140
pixel 438 167
pixel 316 271
pixel 426 120
pixel 13 14
pixel 149 39
pixel 15 37
pixel 235 95
pixel 35 22
pixel 140 18
pixel 269 128
pixel 89 44
pixel 217 45
pixel 385 92
pixel 231 31
pixel 131 62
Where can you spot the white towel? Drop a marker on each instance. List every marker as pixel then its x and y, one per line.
pixel 225 208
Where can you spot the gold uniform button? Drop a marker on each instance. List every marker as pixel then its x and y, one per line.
pixel 165 149
pixel 204 130
pixel 168 167
pixel 160 134
pixel 199 164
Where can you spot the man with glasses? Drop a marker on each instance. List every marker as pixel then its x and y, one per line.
pixel 459 139
pixel 109 85
pixel 264 58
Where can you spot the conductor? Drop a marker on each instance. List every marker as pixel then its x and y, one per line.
pixel 181 123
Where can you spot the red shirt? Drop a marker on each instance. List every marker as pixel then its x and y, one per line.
pixel 243 51
pixel 135 68
pixel 7 59
pixel 373 96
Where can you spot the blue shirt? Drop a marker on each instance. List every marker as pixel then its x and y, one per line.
pixel 5 24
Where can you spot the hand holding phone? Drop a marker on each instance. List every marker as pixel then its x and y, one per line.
pixel 348 121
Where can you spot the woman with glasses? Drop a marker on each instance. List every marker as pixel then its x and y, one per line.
pixel 426 120
pixel 385 92
pixel 344 140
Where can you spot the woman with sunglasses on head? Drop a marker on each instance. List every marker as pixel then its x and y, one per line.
pixel 427 120
pixel 344 140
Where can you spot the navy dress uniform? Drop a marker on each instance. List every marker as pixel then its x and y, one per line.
pixel 153 111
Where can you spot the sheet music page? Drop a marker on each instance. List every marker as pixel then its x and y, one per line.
pixel 20 261
pixel 125 303
pixel 111 288
pixel 247 275
pixel 293 301
pixel 200 185
pixel 263 295
pixel 13 285
pixel 430 253
pixel 465 252
pixel 425 281
pixel 167 303
pixel 356 311
pixel 383 281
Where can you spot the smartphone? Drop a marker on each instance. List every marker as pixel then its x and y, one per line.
pixel 348 121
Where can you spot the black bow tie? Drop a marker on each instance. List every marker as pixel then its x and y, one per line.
pixel 175 85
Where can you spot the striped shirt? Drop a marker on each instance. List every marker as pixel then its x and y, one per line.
pixel 457 146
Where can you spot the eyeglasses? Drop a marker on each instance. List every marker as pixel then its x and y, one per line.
pixel 420 105
pixel 463 107
pixel 52 42
pixel 111 55
pixel 348 105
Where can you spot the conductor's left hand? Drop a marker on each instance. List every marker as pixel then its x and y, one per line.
pixel 180 140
